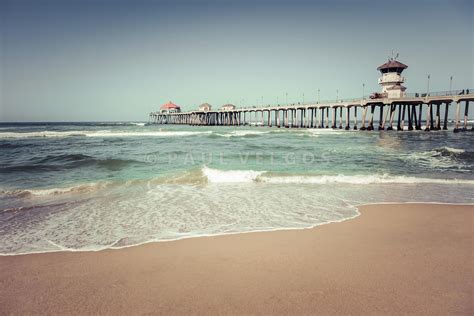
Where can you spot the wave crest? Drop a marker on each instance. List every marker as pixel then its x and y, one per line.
pixel 103 133
pixel 82 188
pixel 230 176
pixel 249 176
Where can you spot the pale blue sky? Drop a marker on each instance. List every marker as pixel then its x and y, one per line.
pixel 118 60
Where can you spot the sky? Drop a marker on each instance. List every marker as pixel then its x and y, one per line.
pixel 108 60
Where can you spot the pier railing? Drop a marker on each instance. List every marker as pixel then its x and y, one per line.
pixel 438 93
pixel 364 98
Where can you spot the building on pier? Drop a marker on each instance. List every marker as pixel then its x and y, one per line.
pixel 170 107
pixel 205 107
pixel 228 107
pixel 391 80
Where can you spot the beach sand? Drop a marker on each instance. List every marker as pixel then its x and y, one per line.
pixel 407 258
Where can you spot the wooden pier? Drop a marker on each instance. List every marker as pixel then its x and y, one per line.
pixel 394 114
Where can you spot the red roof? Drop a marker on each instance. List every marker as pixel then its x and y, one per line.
pixel 392 64
pixel 169 105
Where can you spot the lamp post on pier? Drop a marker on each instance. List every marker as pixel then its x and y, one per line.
pixel 428 87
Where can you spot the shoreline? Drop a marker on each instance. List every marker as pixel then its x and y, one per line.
pixel 357 207
pixel 393 258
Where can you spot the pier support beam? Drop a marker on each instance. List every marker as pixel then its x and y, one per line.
pixel 399 122
pixel 428 118
pixel 364 113
pixel 446 111
pixel 403 116
pixel 410 117
pixel 327 117
pixel 333 124
pixel 381 118
pixel 456 122
pixel 355 117
pixel 386 115
pixel 340 117
pixel 438 118
pixel 466 113
pixel 348 115
pixel 432 125
pixel 371 120
pixel 321 119
pixel 414 117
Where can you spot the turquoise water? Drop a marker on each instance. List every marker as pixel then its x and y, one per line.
pixel 90 186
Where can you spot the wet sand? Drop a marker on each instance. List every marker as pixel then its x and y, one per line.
pixel 408 258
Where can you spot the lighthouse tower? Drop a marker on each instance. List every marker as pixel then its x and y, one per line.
pixel 391 80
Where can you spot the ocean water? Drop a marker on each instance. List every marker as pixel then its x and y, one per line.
pixel 92 186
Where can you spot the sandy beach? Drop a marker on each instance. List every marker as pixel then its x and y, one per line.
pixel 407 258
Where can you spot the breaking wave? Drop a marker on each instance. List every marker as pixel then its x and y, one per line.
pixel 216 176
pixel 230 176
pixel 441 158
pixel 242 133
pixel 247 176
pixel 104 133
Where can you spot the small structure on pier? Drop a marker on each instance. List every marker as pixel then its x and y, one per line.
pixel 205 107
pixel 170 107
pixel 228 107
pixel 391 80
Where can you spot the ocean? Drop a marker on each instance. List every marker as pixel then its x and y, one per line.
pixel 93 186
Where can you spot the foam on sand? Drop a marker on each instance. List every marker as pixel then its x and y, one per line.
pixel 360 179
pixel 82 188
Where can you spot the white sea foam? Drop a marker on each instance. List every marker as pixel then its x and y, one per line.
pixel 147 134
pixel 249 176
pixel 103 133
pixel 360 179
pixel 242 133
pixel 439 158
pixel 81 188
pixel 454 150
pixel 230 176
pixel 41 134
pixel 237 176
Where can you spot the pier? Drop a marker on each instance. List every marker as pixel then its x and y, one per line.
pixel 396 109
pixel 394 114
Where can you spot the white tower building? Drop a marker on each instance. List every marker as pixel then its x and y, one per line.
pixel 391 80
